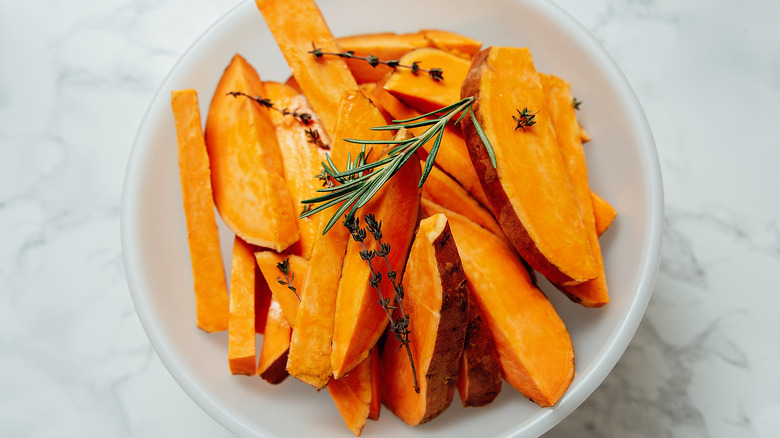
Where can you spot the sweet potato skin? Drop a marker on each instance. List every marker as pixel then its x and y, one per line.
pixel 534 348
pixel 479 379
pixel 436 302
pixel 539 216
pixel 246 166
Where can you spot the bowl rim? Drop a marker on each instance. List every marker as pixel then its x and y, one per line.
pixel 614 348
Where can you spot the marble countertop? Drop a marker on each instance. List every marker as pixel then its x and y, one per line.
pixel 76 78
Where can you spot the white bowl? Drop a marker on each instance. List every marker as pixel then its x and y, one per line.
pixel 623 169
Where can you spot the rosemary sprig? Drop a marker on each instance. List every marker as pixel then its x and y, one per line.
pixel 359 183
pixel 400 325
pixel 435 73
pixel 284 267
pixel 524 119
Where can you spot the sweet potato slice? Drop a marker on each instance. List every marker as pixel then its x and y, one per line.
pixel 445 191
pixel 288 299
pixel 276 344
pixel 241 329
pixel 453 155
pixel 479 378
pixel 392 46
pixel 603 212
pixel 534 348
pixel 436 301
pixel 211 296
pixel 421 92
pixel 296 26
pixel 529 189
pixel 246 165
pixel 592 293
pixel 352 395
pixel 385 46
pixel 360 320
pixel 452 42
pixel 301 156
pixel 310 349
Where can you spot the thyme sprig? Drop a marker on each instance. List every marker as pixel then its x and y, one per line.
pixel 576 103
pixel 400 325
pixel 359 183
pixel 435 73
pixel 312 134
pixel 524 119
pixel 284 267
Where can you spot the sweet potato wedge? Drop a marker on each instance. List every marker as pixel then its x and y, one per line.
pixel 310 349
pixel 385 46
pixel 421 92
pixel 436 301
pixel 453 155
pixel 246 165
pixel 360 320
pixel 479 378
pixel 603 212
pixel 455 43
pixel 241 329
pixel 592 293
pixel 445 191
pixel 276 344
pixel 211 296
pixel 352 395
pixel 392 46
pixel 296 27
pixel 534 348
pixel 288 299
pixel 529 189
pixel 301 157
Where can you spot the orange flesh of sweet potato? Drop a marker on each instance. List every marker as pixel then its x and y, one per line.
pixel 360 320
pixel 445 191
pixel 452 42
pixel 534 348
pixel 299 266
pixel 603 212
pixel 211 296
pixel 295 27
pixel 453 155
pixel 352 395
pixel 422 92
pixel 246 165
pixel 479 378
pixel 311 345
pixel 592 293
pixel 435 299
pixel 276 344
pixel 376 384
pixel 301 158
pixel 529 189
pixel 241 329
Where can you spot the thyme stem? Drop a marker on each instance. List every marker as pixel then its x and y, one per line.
pixel 435 73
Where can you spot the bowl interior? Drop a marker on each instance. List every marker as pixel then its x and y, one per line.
pixel 623 169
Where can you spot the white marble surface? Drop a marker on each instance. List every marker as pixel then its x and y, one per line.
pixel 75 80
